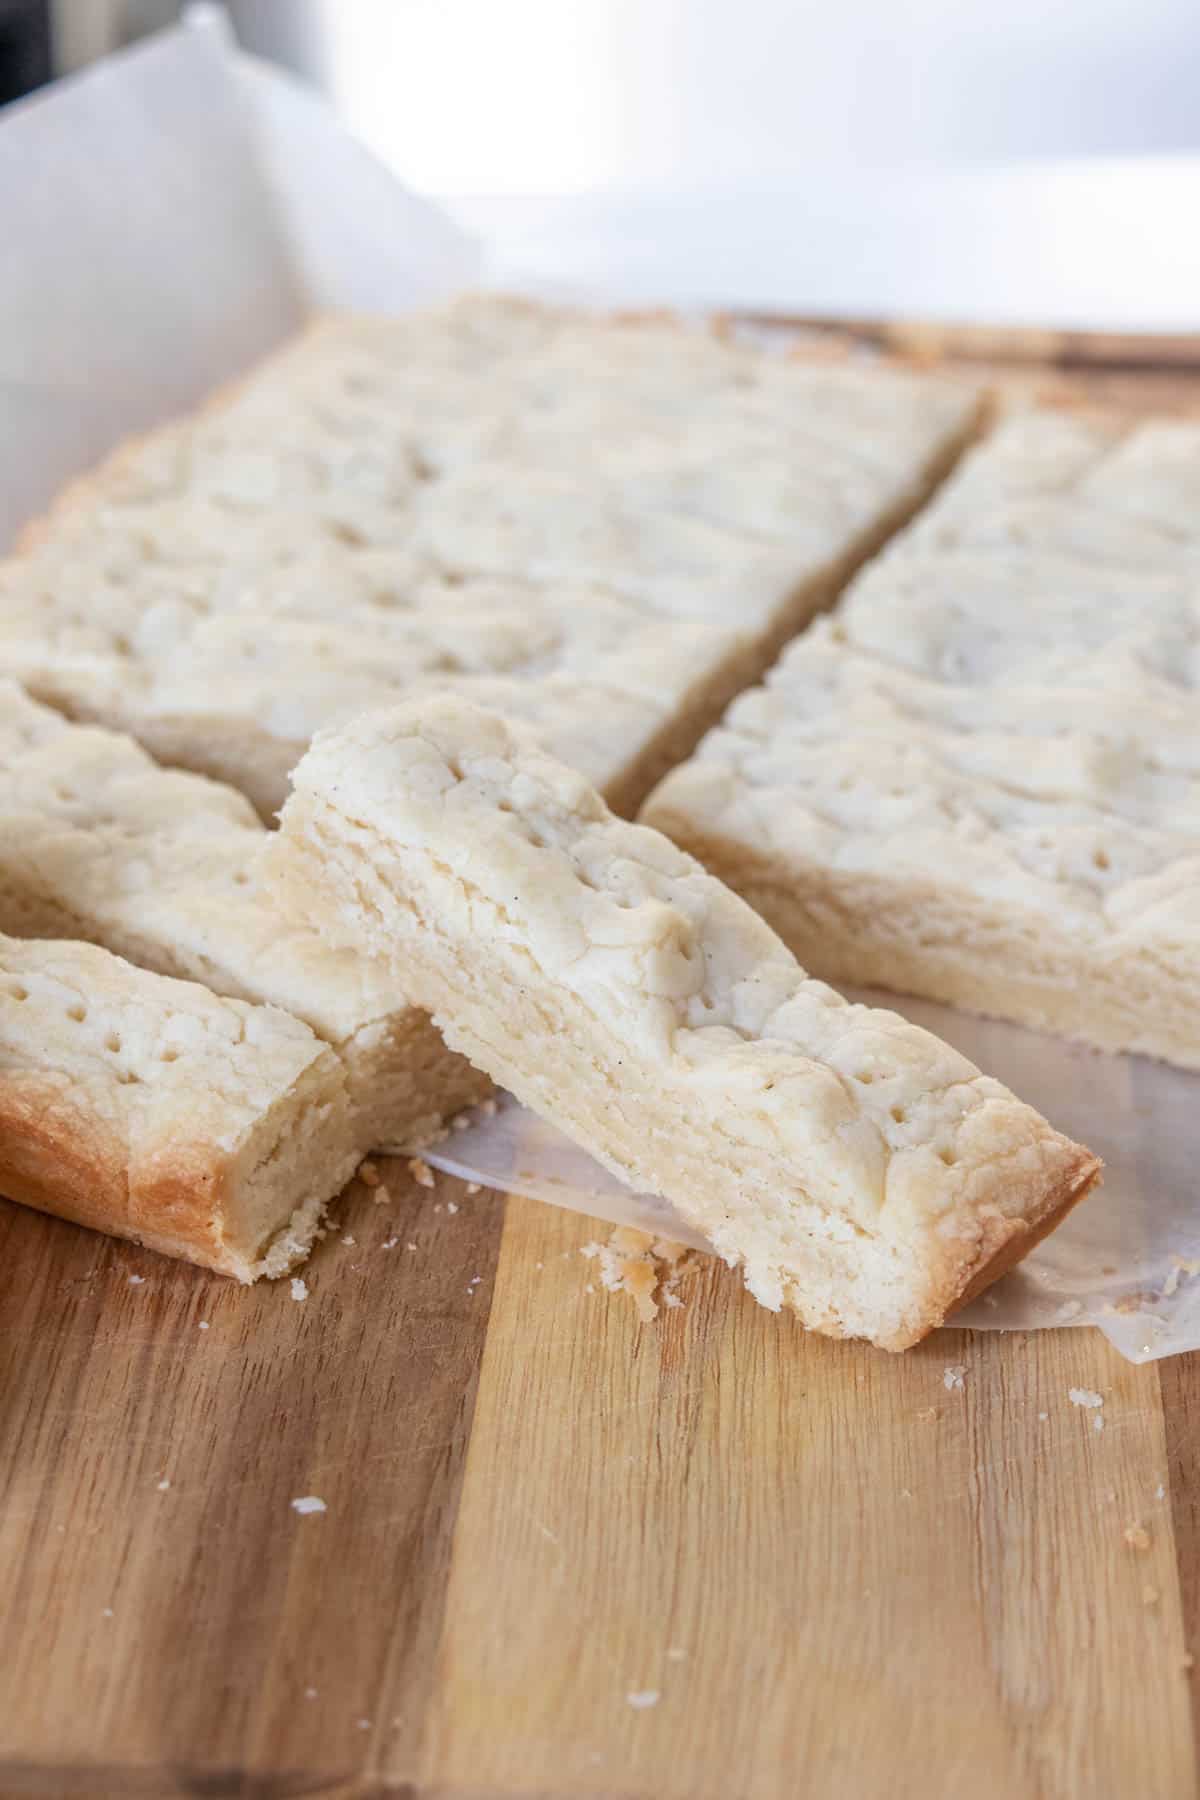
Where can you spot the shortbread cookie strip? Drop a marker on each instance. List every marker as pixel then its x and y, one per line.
pixel 979 779
pixel 150 1109
pixel 859 1169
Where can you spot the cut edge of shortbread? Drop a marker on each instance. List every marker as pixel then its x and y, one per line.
pixel 860 1170
pixel 150 1109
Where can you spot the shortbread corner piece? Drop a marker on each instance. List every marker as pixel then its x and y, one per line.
pixel 858 1169
pixel 155 1110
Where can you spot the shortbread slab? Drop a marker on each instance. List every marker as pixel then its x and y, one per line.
pixel 629 519
pixel 98 842
pixel 979 779
pixel 860 1171
pixel 150 1109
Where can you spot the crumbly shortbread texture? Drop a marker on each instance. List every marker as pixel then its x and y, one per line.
pixel 860 1171
pixel 602 528
pixel 151 1109
pixel 98 842
pixel 979 779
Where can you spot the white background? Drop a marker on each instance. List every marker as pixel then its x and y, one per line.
pixel 569 96
pixel 554 96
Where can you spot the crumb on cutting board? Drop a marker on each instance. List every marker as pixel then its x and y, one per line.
pixel 421 1172
pixel 644 1267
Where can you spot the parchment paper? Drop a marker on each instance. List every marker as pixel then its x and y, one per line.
pixel 171 215
pixel 1127 1259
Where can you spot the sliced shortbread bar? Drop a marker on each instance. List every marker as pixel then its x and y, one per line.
pixel 151 1109
pixel 1099 492
pixel 980 779
pixel 861 1171
pixel 629 518
pixel 98 842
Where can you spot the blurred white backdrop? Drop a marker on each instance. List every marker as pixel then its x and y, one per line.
pixel 1036 161
pixel 519 96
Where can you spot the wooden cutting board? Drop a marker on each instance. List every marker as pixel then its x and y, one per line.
pixel 564 1554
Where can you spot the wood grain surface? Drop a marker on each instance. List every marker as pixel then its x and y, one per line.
pixel 566 1554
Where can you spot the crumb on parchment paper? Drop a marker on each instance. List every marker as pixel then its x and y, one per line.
pixel 1181 1267
pixel 644 1267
